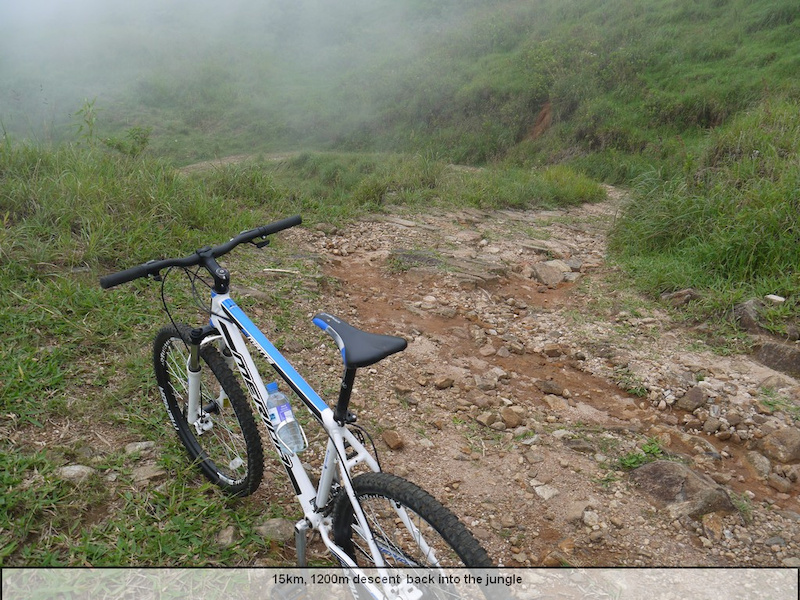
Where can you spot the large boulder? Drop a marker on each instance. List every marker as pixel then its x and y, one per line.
pixel 780 357
pixel 681 491
pixel 782 445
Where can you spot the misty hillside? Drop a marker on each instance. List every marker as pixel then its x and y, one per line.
pixel 463 78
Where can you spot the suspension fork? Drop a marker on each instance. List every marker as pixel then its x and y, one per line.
pixel 193 374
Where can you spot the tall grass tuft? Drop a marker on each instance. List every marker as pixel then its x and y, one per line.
pixel 733 220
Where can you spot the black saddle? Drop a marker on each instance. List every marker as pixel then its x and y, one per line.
pixel 358 348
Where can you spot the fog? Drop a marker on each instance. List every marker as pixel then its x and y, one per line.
pixel 140 60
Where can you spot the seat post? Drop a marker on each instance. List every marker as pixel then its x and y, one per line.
pixel 341 414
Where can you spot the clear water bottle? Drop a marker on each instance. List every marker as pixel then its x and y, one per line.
pixel 280 413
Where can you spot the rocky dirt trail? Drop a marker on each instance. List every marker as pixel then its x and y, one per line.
pixel 531 382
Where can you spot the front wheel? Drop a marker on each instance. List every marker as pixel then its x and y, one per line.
pixel 224 440
pixel 410 527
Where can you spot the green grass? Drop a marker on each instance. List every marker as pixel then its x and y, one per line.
pixel 730 225
pixel 651 451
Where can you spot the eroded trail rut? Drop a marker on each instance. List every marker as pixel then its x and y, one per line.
pixel 530 381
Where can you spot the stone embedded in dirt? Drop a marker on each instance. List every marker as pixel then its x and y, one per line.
pixel 486 419
pixel 680 297
pixel 781 357
pixel 547 275
pixel 545 492
pixel 680 490
pixel 534 456
pixel 147 472
pixel 392 439
pixel 580 445
pixel 515 347
pixel 713 526
pixel 548 386
pixel 228 536
pixel 693 399
pixel 560 265
pixel 748 315
pixel 139 447
pixel 403 388
pixel 75 473
pixel 511 418
pixel 553 350
pixel 591 518
pixel 279 530
pixel 486 382
pixel 556 402
pixel 487 351
pixel 779 483
pixel 574 511
pixel 782 445
pixel 443 383
pixel 711 425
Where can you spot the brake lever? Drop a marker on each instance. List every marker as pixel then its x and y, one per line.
pixel 264 242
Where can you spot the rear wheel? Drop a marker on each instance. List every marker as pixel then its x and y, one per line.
pixel 224 441
pixel 410 527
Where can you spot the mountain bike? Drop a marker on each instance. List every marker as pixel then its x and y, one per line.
pixel 371 519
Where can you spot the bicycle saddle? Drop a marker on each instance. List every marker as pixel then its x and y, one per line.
pixel 359 348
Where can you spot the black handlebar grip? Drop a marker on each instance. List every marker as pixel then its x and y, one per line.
pixel 125 276
pixel 281 225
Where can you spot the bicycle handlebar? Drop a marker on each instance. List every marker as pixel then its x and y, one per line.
pixel 153 267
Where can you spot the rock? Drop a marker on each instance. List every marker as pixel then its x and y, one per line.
pixel 775 382
pixel 545 492
pixel 711 425
pixel 782 445
pixel 487 350
pixel 547 275
pixel 228 536
pixel 781 357
pixel 548 386
pixel 680 297
pixel 75 473
pixel 560 265
pixel 712 526
pixel 580 445
pixel 392 439
pixel 681 491
pixel 147 472
pixel 791 562
pixel 443 383
pixel 279 530
pixel 510 417
pixel 486 419
pixel 556 402
pixel 591 518
pixel 574 512
pixel 774 299
pixel 693 399
pixel 553 350
pixel 748 315
pixel 779 483
pixel 139 447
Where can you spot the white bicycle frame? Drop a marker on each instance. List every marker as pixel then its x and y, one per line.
pixel 235 329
